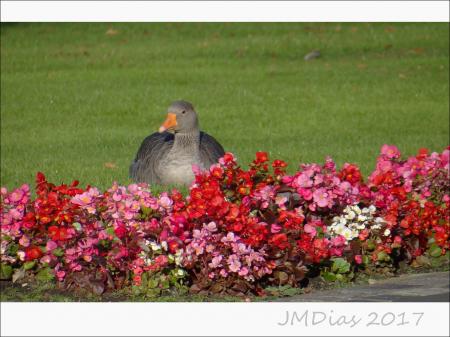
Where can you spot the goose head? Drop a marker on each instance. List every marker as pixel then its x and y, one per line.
pixel 181 118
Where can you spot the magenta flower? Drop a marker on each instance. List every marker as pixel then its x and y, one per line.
pixel 233 263
pixel 321 197
pixel 390 151
pixel 311 230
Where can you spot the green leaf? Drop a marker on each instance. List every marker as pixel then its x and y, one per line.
pixel 29 265
pixel 340 266
pixel 382 256
pixel 165 284
pixel 110 231
pixel 152 283
pixel 435 250
pixel 58 252
pixel 45 275
pixel 12 250
pixel 5 272
pixel 329 277
pixel 77 226
pixel 365 259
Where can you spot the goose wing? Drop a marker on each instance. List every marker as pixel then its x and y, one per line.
pixel 210 150
pixel 150 153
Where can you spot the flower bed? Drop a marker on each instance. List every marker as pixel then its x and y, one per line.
pixel 237 232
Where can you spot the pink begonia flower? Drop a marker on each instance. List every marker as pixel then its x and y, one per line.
pixel 45 259
pixel 321 197
pixel 211 275
pixel 162 260
pixel 87 258
pixel 305 194
pixel 24 241
pixel 16 195
pixel 196 234
pixel 275 228
pixel 310 230
pixel 287 179
pixel 230 237
pixel 60 274
pixel 15 214
pixel 318 179
pixel 390 151
pixel 165 202
pixel 223 273
pixel 199 250
pixel 339 241
pixel 280 200
pixel 51 245
pixel 215 262
pixel 384 165
pixel 243 271
pixel 117 197
pixel 212 227
pixel 303 180
pixel 358 259
pixel 233 263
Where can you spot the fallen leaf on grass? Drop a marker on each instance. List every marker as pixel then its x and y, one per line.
pixel 417 50
pixel 111 32
pixel 110 165
pixel 389 29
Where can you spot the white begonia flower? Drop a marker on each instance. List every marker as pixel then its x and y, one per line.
pixel 379 220
pixel 357 210
pixel 350 215
pixel 178 260
pixel 180 272
pixel 142 254
pixel 347 234
pixel 336 219
pixel 338 229
pixel 365 210
pixel 155 246
pixel 171 258
pixel 164 245
pixel 362 218
pixel 372 209
pixel 361 226
pixel 375 226
pixel 387 232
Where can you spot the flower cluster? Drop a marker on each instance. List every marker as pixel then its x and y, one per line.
pixel 413 197
pixel 237 231
pixel 225 259
pixel 357 223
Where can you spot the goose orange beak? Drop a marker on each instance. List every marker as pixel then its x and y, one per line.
pixel 169 123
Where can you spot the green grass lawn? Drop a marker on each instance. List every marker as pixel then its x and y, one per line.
pixel 75 97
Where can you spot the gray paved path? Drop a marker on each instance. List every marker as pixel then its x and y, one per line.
pixel 430 287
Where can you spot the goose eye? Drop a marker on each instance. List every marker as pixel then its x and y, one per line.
pixel 183 112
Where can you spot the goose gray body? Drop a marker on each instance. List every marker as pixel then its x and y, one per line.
pixel 167 158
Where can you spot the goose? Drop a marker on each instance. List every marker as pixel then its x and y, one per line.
pixel 167 157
